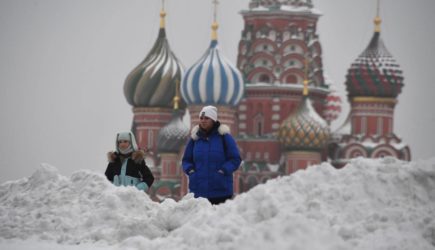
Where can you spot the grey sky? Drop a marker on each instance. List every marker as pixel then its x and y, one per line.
pixel 63 65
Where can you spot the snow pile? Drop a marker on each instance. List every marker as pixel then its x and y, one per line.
pixel 370 204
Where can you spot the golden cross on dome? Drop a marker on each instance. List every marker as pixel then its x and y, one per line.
pixel 215 25
pixel 162 15
pixel 378 18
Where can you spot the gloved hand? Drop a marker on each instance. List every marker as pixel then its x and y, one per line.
pixel 142 186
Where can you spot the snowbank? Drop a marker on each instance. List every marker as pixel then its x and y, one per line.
pixel 370 204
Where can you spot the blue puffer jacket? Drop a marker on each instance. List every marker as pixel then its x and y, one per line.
pixel 210 161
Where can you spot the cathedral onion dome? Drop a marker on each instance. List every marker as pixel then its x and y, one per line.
pixel 173 136
pixel 304 129
pixel 213 79
pixel 375 72
pixel 152 82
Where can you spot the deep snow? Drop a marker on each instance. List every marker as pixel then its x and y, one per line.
pixel 369 204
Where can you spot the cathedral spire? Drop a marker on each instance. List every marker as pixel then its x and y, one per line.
pixel 213 79
pixel 162 15
pixel 215 24
pixel 152 82
pixel 305 92
pixel 378 20
pixel 177 95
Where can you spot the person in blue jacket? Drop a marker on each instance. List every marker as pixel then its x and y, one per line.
pixel 210 158
pixel 127 164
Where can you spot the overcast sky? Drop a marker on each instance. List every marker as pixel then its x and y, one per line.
pixel 63 65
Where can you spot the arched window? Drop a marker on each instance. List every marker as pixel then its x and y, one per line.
pixel 383 151
pixel 264 78
pixel 258 124
pixel 291 79
pixel 356 153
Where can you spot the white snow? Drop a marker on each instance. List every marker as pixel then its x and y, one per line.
pixel 369 204
pixel 290 8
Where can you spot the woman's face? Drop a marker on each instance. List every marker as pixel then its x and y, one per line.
pixel 123 144
pixel 205 123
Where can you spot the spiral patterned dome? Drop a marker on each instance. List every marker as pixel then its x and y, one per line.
pixel 375 73
pixel 304 129
pixel 172 136
pixel 213 80
pixel 153 82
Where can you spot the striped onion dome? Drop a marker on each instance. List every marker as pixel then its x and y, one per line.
pixel 375 72
pixel 213 80
pixel 304 129
pixel 153 82
pixel 174 134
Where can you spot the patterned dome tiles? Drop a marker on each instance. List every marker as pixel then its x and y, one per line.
pixel 304 129
pixel 172 136
pixel 375 72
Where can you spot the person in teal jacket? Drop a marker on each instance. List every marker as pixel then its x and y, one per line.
pixel 210 158
pixel 127 164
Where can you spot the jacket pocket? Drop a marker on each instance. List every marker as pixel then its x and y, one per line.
pixel 219 181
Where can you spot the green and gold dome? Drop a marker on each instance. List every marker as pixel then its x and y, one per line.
pixel 375 72
pixel 304 129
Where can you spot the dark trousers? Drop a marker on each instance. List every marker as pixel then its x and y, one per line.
pixel 219 200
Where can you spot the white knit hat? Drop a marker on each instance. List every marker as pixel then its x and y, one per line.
pixel 210 112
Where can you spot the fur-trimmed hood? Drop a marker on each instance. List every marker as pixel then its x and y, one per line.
pixel 222 130
pixel 137 156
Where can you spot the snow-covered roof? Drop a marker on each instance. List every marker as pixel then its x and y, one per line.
pixel 298 87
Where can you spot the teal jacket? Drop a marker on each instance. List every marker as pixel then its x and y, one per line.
pixel 129 170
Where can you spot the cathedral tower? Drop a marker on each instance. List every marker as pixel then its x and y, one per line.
pixel 373 82
pixel 303 136
pixel 213 80
pixel 277 37
pixel 150 89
